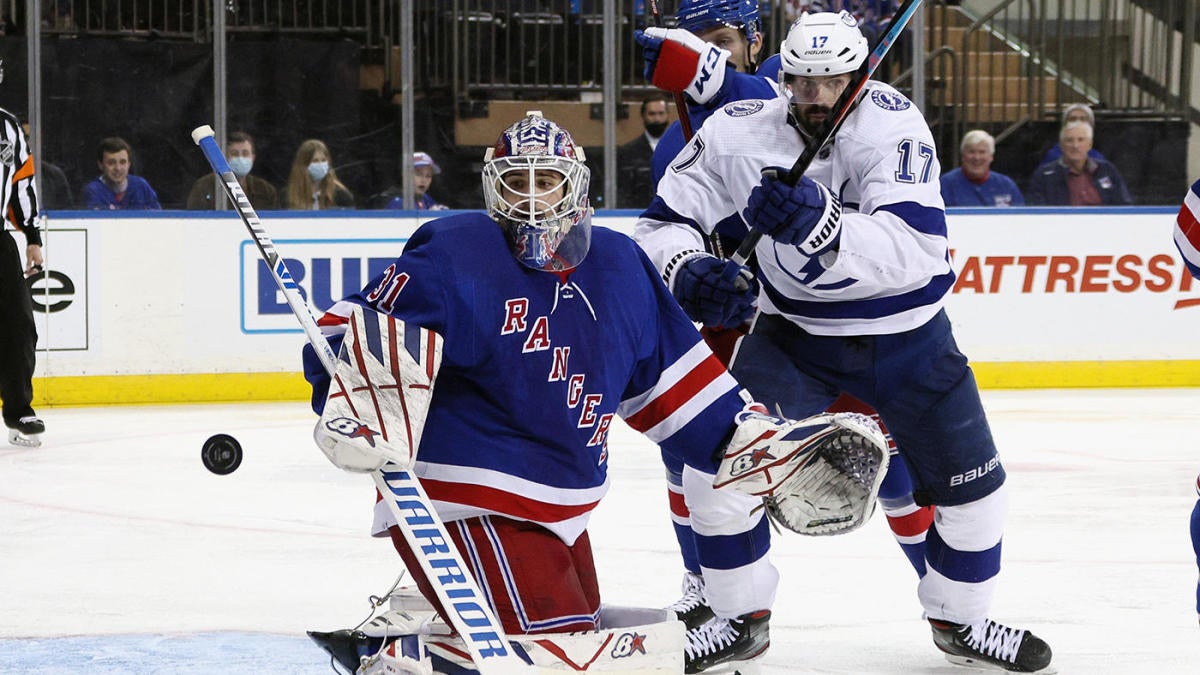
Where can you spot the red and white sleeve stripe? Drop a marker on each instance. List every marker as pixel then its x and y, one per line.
pixel 1187 230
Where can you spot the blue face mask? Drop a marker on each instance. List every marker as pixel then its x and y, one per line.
pixel 241 165
pixel 317 170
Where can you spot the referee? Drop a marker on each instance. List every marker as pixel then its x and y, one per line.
pixel 18 333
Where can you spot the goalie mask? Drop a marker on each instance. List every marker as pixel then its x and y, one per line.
pixel 535 186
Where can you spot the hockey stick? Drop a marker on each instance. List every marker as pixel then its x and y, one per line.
pixel 685 122
pixel 425 533
pixel 838 113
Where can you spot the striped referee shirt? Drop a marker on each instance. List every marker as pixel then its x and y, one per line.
pixel 19 196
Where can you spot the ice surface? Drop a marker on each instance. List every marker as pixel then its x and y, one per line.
pixel 119 553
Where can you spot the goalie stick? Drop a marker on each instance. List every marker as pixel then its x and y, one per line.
pixel 837 115
pixel 424 531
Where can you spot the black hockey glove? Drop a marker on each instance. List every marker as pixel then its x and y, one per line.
pixel 806 215
pixel 715 292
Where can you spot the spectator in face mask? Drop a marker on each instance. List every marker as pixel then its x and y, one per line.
pixel 635 185
pixel 312 183
pixel 240 151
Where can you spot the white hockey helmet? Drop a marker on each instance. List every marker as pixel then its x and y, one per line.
pixel 823 44
pixel 535 185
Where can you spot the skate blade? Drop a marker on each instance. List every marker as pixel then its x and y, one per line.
pixel 984 665
pixel 735 668
pixel 24 440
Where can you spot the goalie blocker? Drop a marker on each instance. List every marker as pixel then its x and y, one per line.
pixel 379 397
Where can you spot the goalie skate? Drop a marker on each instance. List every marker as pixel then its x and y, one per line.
pixel 27 432
pixel 818 476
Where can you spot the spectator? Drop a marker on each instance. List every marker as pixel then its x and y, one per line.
pixel 424 169
pixel 115 187
pixel 240 151
pixel 974 183
pixel 636 187
pixel 313 184
pixel 1076 112
pixel 1075 179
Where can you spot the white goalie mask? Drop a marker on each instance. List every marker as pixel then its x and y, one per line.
pixel 535 186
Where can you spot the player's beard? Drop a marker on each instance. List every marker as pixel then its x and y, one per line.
pixel 811 116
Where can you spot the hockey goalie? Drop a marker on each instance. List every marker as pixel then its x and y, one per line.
pixel 491 360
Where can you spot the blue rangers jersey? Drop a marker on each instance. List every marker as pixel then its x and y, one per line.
pixel 535 366
pixel 892 269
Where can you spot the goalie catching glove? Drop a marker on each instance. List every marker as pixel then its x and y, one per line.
pixel 818 476
pixel 380 393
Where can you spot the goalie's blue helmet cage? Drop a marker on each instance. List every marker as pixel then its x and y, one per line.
pixel 697 16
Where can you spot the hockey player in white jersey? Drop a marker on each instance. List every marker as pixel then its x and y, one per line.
pixel 733 25
pixel 854 269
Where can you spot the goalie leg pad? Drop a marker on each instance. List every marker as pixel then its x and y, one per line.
pixel 380 393
pixel 649 649
pixel 818 476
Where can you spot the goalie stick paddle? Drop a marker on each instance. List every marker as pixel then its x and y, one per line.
pixel 841 109
pixel 424 531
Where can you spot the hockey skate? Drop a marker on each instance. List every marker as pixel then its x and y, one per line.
pixel 692 609
pixel 992 646
pixel 27 432
pixel 727 641
pixel 409 612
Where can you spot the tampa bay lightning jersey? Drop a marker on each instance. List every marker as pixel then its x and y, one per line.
pixel 1187 230
pixel 535 365
pixel 891 271
pixel 735 87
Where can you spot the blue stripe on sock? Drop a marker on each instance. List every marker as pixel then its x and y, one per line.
pixel 727 552
pixel 963 566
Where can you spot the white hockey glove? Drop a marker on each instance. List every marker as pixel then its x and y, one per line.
pixel 379 397
pixel 679 61
pixel 818 476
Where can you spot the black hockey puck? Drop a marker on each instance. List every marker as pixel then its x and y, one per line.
pixel 221 454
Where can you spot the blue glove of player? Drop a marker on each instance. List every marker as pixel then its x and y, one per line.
pixel 806 215
pixel 715 292
pixel 679 61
